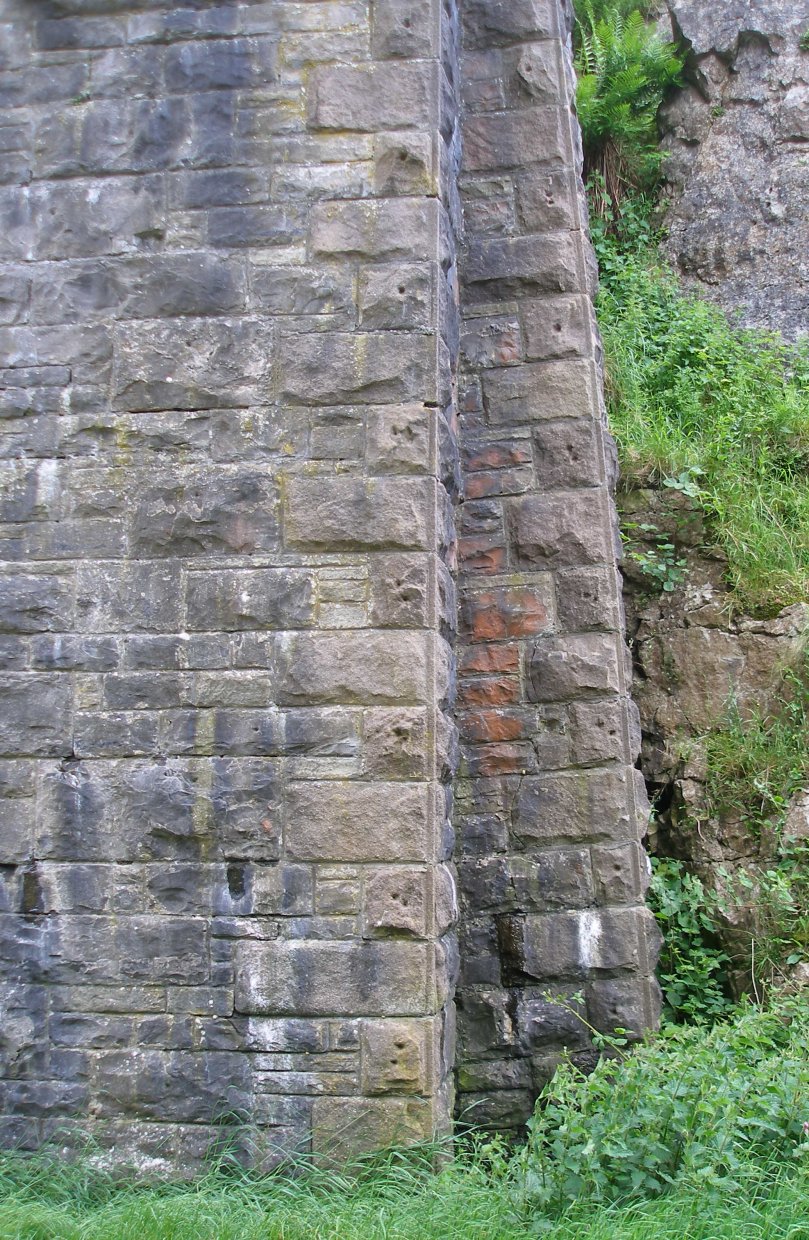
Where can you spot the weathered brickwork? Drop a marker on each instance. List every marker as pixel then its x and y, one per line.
pixel 550 809
pixel 229 335
pixel 227 384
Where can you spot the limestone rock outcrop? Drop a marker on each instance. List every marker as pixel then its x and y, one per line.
pixel 737 139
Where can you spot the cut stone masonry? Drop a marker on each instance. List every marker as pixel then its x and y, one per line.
pixel 237 444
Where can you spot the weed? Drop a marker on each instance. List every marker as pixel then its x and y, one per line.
pixel 624 70
pixel 692 1106
pixel 692 965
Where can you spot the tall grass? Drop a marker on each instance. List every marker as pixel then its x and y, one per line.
pixel 691 395
pixel 461 1203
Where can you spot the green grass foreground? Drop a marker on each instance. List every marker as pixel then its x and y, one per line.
pixel 397 1202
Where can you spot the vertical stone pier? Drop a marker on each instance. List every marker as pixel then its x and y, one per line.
pixel 229 334
pixel 550 809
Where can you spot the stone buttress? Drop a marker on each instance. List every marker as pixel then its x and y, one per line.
pixel 229 308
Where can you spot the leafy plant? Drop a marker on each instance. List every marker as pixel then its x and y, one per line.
pixel 691 1106
pixel 624 69
pixel 692 966
pixel 658 559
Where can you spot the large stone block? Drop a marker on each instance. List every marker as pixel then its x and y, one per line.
pixel 563 529
pixel 352 821
pixel 192 364
pixel 228 600
pixel 376 368
pixel 582 666
pixel 373 97
pixel 524 394
pixel 35 604
pixel 514 266
pixel 558 327
pixel 353 668
pixel 36 715
pixel 404 28
pixel 396 1055
pixel 593 805
pixel 396 903
pixel 488 22
pixel 567 453
pixel 498 141
pixel 300 978
pixel 379 230
pixel 344 514
pixel 344 1127
pixel 204 511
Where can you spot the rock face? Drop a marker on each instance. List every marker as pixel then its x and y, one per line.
pixel 694 654
pixel 737 138
pixel 236 438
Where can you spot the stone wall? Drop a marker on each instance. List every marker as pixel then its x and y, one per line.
pixel 551 809
pixel 227 271
pixel 230 329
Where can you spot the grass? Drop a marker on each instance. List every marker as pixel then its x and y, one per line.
pixel 463 1201
pixel 725 411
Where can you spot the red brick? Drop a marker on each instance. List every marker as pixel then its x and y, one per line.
pixel 493 615
pixel 490 659
pixel 496 725
pixel 489 692
pixel 483 554
pixel 498 456
pixel 501 760
pixel 499 482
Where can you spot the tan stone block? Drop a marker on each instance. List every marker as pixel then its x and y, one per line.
pixel 557 327
pixel 398 440
pixel 555 389
pixel 362 668
pixel 341 514
pixel 342 1127
pixel 343 820
pixel 396 902
pixel 394 743
pixel 395 1056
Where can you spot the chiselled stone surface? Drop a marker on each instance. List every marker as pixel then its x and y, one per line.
pixel 231 320
pixel 737 136
pixel 226 355
pixel 549 810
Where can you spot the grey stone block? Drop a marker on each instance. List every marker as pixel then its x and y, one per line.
pixel 192 364
pixel 36 715
pixel 204 511
pixel 230 600
pixel 333 979
pixel 35 604
pixel 370 98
